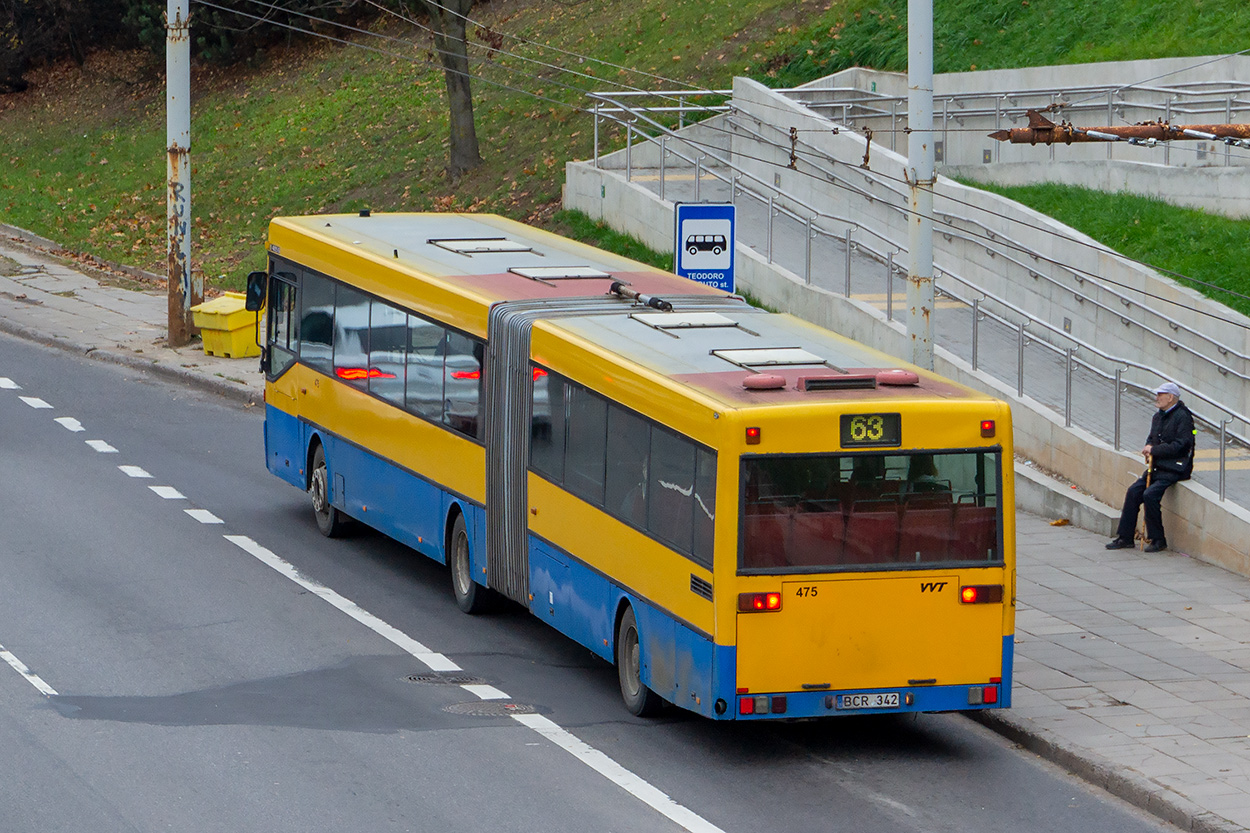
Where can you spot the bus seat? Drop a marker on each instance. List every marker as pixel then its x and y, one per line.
pixel 975 532
pixel 765 539
pixel 926 532
pixel 872 532
pixel 816 538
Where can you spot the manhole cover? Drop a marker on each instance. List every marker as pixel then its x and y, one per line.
pixel 490 709
pixel 446 679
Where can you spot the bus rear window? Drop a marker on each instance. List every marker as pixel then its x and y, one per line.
pixel 807 513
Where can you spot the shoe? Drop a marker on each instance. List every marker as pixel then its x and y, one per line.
pixel 1155 546
pixel 1119 544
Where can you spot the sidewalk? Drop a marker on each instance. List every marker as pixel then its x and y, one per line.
pixel 56 304
pixel 1131 670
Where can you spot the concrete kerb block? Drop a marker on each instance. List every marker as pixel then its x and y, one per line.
pixel 1089 766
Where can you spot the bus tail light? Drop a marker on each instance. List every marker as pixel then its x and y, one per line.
pixel 987 428
pixel 762 704
pixel 975 594
pixel 986 695
pixel 758 602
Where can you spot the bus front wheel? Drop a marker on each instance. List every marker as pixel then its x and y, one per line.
pixel 640 700
pixel 330 521
pixel 471 597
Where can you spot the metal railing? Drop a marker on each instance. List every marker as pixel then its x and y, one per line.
pixel 854 237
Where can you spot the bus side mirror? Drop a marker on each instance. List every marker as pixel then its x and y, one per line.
pixel 256 284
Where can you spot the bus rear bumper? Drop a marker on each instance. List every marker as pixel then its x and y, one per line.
pixel 905 699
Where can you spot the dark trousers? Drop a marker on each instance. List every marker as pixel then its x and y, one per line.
pixel 1151 495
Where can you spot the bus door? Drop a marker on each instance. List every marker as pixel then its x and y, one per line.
pixel 852 570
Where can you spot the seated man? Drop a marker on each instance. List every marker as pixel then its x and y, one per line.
pixel 1169 454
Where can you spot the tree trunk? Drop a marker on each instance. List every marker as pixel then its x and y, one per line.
pixel 450 40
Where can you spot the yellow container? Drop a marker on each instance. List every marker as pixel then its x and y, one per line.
pixel 226 327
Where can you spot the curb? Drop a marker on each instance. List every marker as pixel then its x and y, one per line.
pixel 211 384
pixel 1127 785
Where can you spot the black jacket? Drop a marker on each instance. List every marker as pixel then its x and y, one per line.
pixel 1171 439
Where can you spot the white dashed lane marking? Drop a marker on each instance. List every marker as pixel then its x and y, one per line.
pixel 203 516
pixel 588 755
pixel 8 384
pixel 591 757
pixel 31 677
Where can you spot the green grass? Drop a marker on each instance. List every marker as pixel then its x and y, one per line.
pixel 1000 34
pixel 322 128
pixel 1207 247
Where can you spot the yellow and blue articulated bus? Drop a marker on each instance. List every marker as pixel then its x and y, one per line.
pixel 752 517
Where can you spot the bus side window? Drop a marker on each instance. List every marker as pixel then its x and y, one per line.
pixel 629 444
pixel 586 443
pixel 351 337
pixel 547 431
pixel 282 323
pixel 462 385
pixel 671 489
pixel 317 322
pixel 704 508
pixel 423 393
pixel 388 342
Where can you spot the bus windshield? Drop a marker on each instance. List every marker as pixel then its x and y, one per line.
pixel 829 512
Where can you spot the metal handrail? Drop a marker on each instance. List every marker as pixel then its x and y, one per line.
pixel 739 176
pixel 1222 348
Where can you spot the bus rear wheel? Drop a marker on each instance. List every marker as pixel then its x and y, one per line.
pixel 471 597
pixel 330 521
pixel 640 700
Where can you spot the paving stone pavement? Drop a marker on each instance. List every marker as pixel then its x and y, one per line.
pixel 1131 670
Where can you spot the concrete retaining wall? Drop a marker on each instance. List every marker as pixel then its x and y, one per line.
pixel 1197 522
pixel 986 255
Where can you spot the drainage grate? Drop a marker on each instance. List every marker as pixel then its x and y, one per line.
pixel 490 709
pixel 446 679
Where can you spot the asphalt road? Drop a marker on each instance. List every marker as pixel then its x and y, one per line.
pixel 194 675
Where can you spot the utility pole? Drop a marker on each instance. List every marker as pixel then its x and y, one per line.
pixel 184 291
pixel 920 177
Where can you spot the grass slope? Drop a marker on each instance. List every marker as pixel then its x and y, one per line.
pixel 1003 34
pixel 321 127
pixel 1210 248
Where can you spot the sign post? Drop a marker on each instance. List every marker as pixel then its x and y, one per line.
pixel 703 243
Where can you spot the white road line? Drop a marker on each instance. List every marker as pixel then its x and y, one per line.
pixel 34 402
pixel 485 692
pixel 31 677
pixel 617 774
pixel 8 384
pixel 431 659
pixel 133 471
pixel 203 516
pixel 579 749
pixel 102 447
pixel 168 492
pixel 69 424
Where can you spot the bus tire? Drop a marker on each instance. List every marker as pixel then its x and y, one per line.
pixel 640 700
pixel 471 597
pixel 330 521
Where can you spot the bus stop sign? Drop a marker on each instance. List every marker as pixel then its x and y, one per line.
pixel 704 243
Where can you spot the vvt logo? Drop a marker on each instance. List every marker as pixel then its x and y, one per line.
pixel 932 586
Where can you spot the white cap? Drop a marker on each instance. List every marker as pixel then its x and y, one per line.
pixel 1169 387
